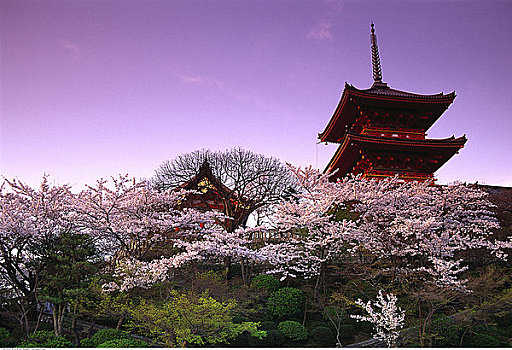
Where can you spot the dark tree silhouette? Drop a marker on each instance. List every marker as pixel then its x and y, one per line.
pixel 244 181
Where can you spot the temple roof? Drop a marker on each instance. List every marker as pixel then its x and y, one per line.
pixel 380 96
pixel 198 182
pixel 348 152
pixel 384 89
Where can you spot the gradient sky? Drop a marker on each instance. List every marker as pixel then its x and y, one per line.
pixel 90 89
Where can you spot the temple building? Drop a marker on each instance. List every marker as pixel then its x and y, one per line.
pixel 381 131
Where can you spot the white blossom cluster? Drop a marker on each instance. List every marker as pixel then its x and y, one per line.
pixel 386 317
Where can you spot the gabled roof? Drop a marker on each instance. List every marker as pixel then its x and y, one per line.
pixel 347 153
pixel 205 172
pixel 382 96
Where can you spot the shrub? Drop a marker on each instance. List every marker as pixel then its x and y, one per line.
pixel 278 337
pixel 5 338
pixel 315 324
pixel 323 337
pixel 503 319
pixel 293 330
pixel 286 302
pixel 268 282
pixel 42 336
pixel 347 332
pixel 28 344
pixel 124 343
pixel 265 342
pixel 444 331
pixel 45 339
pixel 480 340
pixel 268 325
pixel 57 342
pixel 103 336
pixel 241 341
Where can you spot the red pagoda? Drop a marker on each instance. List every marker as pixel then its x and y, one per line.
pixel 381 131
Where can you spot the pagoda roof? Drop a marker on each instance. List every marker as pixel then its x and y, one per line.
pixel 382 96
pixel 348 152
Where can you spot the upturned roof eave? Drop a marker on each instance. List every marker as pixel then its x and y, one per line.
pixel 347 149
pixel 340 118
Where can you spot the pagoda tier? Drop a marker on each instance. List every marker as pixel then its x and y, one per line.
pixel 381 107
pixel 376 157
pixel 381 131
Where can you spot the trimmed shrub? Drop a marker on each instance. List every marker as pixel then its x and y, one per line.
pixel 124 343
pixel 286 302
pixel 103 336
pixel 315 324
pixel 444 331
pixel 293 330
pixel 268 325
pixel 323 337
pixel 278 337
pixel 268 282
pixel 347 332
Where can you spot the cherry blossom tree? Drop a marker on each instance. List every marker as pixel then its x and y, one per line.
pixel 311 237
pixel 30 218
pixel 415 226
pixel 130 216
pixel 385 316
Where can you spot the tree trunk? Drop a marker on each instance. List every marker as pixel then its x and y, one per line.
pixel 120 322
pixel 229 270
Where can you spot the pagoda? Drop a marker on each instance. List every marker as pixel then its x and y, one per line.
pixel 381 131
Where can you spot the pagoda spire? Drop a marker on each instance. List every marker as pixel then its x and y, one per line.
pixel 377 72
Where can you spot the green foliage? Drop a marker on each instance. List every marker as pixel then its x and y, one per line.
pixel 28 344
pixel 277 336
pixel 45 339
pixel 323 337
pixel 187 319
pixel 268 325
pixel 103 336
pixel 238 319
pixel 268 282
pixel 480 340
pixel 347 332
pixel 124 343
pixel 444 331
pixel 293 330
pixel 286 302
pixel 68 267
pixel 503 319
pixel 240 341
pixel 264 342
pixel 5 338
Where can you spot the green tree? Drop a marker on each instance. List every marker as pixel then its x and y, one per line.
pixel 68 268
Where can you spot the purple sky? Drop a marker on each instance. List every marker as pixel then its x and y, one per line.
pixel 91 89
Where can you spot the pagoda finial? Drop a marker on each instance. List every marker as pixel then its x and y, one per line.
pixel 377 73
